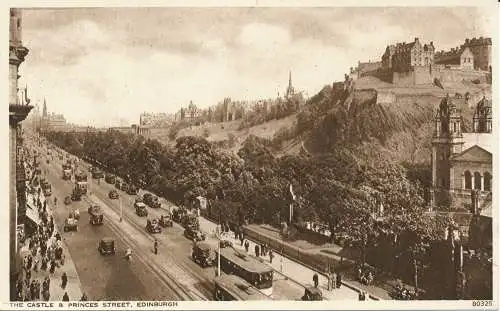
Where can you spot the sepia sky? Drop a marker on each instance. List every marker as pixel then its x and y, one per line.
pixel 106 66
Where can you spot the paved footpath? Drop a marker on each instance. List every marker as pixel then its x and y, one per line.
pixel 287 267
pixel 73 287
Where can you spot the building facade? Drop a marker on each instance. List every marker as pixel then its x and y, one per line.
pixel 402 57
pixel 462 162
pixel 18 111
pixel 458 58
pixel 481 48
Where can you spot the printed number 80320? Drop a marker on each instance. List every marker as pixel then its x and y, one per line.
pixel 482 303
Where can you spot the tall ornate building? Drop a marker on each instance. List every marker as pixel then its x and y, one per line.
pixel 18 111
pixel 462 162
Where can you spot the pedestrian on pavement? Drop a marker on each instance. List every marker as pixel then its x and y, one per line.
pixel 257 250
pixel 339 280
pixel 242 239
pixel 64 280
pixel 316 280
pixel 156 246
pixel 271 255
pixel 329 279
pixel 37 289
pixel 65 297
pixel 52 266
pixel 334 280
pixel 263 249
pixel 247 246
pixel 362 296
pixel 84 297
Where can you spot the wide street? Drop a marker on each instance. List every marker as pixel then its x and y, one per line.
pixel 173 262
pixel 103 277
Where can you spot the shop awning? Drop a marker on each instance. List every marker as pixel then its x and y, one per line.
pixel 33 215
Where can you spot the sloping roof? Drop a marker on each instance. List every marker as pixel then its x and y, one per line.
pixel 483 140
pixel 474 154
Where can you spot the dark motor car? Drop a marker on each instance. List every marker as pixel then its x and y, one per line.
pixel 140 209
pixel 203 254
pixel 194 235
pixel 113 194
pixel 166 221
pixel 106 246
pixel 96 216
pixel 132 190
pixel 153 226
pixel 312 293
pixel 67 200
pixel 110 179
pixel 147 198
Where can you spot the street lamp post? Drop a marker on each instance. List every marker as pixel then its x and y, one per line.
pixel 121 209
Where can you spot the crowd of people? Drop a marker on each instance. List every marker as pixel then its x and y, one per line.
pixel 45 254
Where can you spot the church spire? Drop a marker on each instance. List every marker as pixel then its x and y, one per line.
pixel 290 80
pixel 44 114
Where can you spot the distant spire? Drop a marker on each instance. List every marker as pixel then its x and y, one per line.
pixel 290 80
pixel 44 107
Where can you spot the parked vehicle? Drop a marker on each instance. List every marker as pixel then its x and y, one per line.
pixel 194 235
pixel 110 179
pixel 132 190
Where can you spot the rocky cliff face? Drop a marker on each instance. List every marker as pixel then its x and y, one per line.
pixel 395 124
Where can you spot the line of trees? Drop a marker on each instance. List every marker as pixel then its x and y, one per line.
pixel 342 190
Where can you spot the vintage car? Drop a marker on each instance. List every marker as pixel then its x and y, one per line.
pixel 113 194
pixel 140 209
pixel 75 214
pixel 225 243
pixel 67 200
pixel 110 179
pixel 153 226
pixel 178 214
pixel 203 254
pixel 70 224
pixel 154 202
pixel 96 216
pixel 194 235
pixel 312 293
pixel 132 190
pixel 166 221
pixel 147 198
pixel 138 199
pixel 106 246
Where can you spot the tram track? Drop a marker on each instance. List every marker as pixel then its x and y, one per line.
pixel 206 286
pixel 161 273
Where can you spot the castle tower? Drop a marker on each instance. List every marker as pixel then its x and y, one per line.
pixel 447 141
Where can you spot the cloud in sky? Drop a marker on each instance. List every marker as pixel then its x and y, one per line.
pixel 102 66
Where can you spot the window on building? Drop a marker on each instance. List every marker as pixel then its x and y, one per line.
pixel 477 181
pixel 487 181
pixel 468 180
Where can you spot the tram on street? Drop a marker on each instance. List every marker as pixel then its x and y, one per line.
pixel 250 269
pixel 231 287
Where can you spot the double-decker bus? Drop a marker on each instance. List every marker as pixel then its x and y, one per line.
pixel 250 269
pixel 230 287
